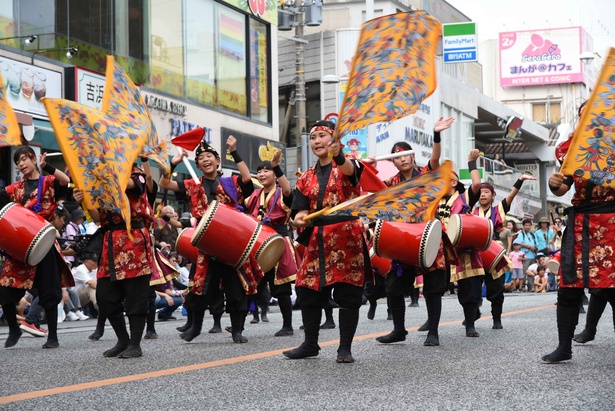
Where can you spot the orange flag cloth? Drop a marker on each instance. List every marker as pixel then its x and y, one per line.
pixel 10 134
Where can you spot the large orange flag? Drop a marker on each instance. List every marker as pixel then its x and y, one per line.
pixel 393 70
pixel 592 149
pixel 100 147
pixel 10 134
pixel 412 201
pixel 123 97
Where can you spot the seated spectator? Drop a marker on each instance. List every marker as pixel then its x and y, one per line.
pixel 168 300
pixel 532 270
pixel 540 281
pixel 72 305
pixel 85 280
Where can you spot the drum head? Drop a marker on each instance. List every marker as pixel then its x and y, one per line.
pixel 270 252
pixel 553 266
pixel 204 223
pixel 430 243
pixel 453 229
pixel 40 245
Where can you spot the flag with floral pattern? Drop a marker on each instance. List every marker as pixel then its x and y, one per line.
pixel 10 134
pixel 591 155
pixel 122 96
pixel 393 70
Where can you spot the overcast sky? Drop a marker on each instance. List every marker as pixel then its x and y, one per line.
pixel 494 16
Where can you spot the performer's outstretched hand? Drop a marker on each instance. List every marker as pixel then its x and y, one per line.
pixel 442 123
pixel 525 177
pixel 231 144
pixel 78 195
pixel 178 158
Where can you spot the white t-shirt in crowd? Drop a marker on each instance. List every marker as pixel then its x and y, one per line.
pixel 82 275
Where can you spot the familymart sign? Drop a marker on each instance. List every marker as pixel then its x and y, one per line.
pixel 459 42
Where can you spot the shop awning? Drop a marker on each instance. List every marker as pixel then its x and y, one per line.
pixel 44 135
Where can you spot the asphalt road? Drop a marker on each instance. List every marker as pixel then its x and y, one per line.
pixel 499 370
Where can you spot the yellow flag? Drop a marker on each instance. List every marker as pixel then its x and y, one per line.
pixel 123 96
pixel 10 134
pixel 591 155
pixel 412 201
pixel 393 70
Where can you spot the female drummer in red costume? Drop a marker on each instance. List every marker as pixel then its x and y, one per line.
pixel 209 272
pixel 587 258
pixel 468 273
pixel 40 194
pixel 435 278
pixel 271 205
pixel 336 256
pixel 494 281
pixel 125 267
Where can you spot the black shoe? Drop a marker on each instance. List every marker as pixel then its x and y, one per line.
pixel 184 327
pixel 264 317
pixel 432 341
pixel 581 310
pixel 392 337
pixel 390 317
pixel 189 335
pixel 471 332
pixel 151 335
pixel 171 318
pixel 228 329
pixel 51 343
pixel 372 310
pixel 413 305
pixel 557 356
pixel 115 351
pixel 424 327
pixel 303 351
pixel 96 335
pixel 239 339
pixel 216 329
pixel 584 336
pixel 284 332
pixel 327 325
pixel 497 325
pixel 12 339
pixel 132 351
pixel 344 356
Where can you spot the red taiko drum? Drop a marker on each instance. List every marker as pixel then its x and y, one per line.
pixel 492 256
pixel 25 235
pixel 470 231
pixel 412 244
pixel 184 247
pixel 381 265
pixel 554 262
pixel 231 237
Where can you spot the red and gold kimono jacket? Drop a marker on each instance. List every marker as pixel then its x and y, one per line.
pixel 594 266
pixel 497 215
pixel 445 252
pixel 16 274
pixel 262 207
pixel 469 261
pixel 250 273
pixel 122 257
pixel 342 259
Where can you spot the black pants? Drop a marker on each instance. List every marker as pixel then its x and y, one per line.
pixel 129 295
pixel 46 281
pixel 470 290
pixel 345 295
pixel 219 273
pixel 494 289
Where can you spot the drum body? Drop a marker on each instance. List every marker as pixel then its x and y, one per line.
pixel 554 262
pixel 470 231
pixel 381 265
pixel 414 244
pixel 184 247
pixel 492 256
pixel 25 235
pixel 231 237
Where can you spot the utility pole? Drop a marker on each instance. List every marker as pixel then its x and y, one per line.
pixel 301 115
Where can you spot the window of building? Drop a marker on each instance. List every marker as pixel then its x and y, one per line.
pixel 549 113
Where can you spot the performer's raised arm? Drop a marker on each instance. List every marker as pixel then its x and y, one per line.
pixel 440 125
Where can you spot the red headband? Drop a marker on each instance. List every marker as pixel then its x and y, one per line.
pixel 322 128
pixel 401 149
pixel 485 186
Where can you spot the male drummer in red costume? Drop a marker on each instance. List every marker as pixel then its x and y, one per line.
pixel 125 267
pixel 207 272
pixel 468 273
pixel 494 280
pixel 271 205
pixel 400 280
pixel 40 194
pixel 336 256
